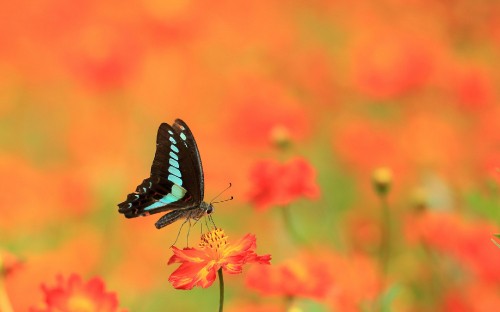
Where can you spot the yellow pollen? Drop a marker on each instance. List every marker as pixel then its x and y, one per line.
pixel 213 238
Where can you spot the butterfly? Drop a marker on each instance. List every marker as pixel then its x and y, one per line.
pixel 176 183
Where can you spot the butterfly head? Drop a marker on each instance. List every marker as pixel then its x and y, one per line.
pixel 208 208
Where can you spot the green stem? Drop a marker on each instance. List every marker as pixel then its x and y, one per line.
pixel 289 302
pixel 221 288
pixel 5 305
pixel 495 242
pixel 385 245
pixel 438 281
pixel 289 225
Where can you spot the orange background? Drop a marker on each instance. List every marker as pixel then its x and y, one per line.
pixel 410 85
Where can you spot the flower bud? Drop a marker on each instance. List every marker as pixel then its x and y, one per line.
pixel 280 136
pixel 419 199
pixel 382 179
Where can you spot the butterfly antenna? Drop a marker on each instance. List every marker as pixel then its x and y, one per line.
pixel 225 200
pixel 221 193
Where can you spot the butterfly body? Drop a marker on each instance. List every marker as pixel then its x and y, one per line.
pixel 176 183
pixel 190 214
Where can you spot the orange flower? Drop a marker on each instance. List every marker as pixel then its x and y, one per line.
pixel 199 266
pixel 259 107
pixel 363 145
pixel 475 296
pixel 304 276
pixel 472 87
pixel 75 295
pixel 463 240
pixel 393 66
pixel 340 281
pixel 280 184
pixel 9 263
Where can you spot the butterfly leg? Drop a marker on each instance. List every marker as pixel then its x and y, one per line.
pixel 179 232
pixel 189 230
pixel 196 220
pixel 206 223
pixel 212 220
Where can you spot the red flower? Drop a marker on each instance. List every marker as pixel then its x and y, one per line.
pixel 199 266
pixel 280 184
pixel 75 295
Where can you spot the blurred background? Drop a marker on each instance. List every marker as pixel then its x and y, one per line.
pixel 410 86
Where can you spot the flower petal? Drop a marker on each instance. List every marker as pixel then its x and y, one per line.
pixel 187 254
pixel 189 275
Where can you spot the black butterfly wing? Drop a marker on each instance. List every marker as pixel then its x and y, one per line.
pixel 194 170
pixel 176 180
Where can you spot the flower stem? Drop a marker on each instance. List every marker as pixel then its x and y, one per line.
pixel 289 225
pixel 289 303
pixel 385 244
pixel 5 305
pixel 221 288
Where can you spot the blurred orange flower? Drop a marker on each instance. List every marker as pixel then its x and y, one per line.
pixel 464 240
pixel 276 184
pixel 357 282
pixel 343 282
pixel 9 263
pixel 75 295
pixel 364 145
pixel 241 306
pixel 473 297
pixel 363 230
pixel 304 276
pixel 259 106
pixel 473 89
pixel 199 266
pixel 393 66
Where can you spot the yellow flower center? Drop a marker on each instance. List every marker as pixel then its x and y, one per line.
pixel 80 303
pixel 214 239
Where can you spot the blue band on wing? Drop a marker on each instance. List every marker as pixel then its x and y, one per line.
pixel 174 179
pixel 176 193
pixel 173 155
pixel 155 205
pixel 174 171
pixel 173 163
pixel 169 198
